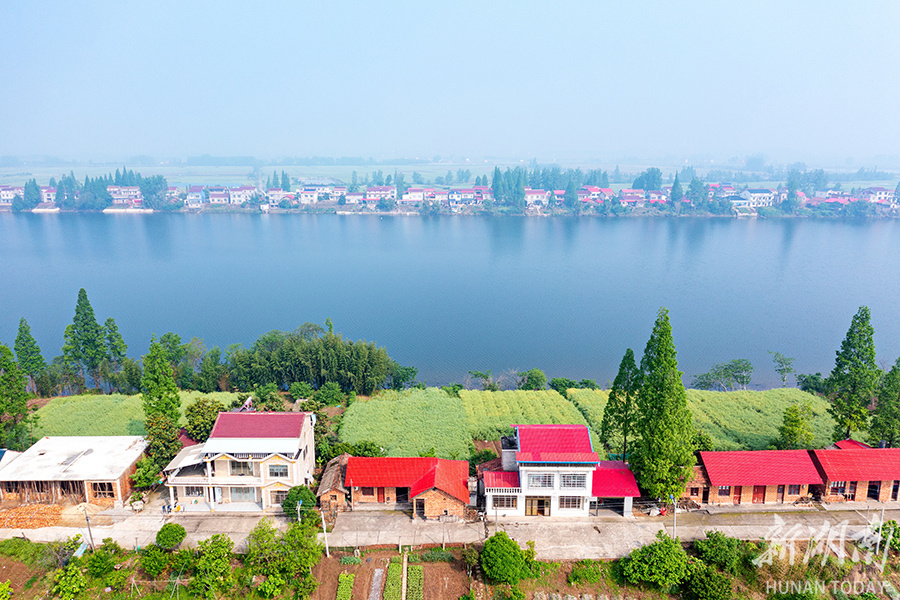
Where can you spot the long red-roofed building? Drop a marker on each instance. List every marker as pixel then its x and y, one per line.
pixel 857 474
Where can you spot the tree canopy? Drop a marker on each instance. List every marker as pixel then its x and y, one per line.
pixel 885 425
pixel 620 412
pixel 852 382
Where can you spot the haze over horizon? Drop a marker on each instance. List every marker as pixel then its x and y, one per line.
pixel 582 80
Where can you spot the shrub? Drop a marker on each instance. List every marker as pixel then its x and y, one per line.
pixel 502 559
pixel 471 557
pixel 329 394
pixel 393 582
pixel 437 555
pixel 213 571
pixel 300 391
pixel 68 582
pixel 305 586
pixel 345 586
pixel 99 563
pixel 414 580
pixel 170 535
pixel 183 561
pixel 351 560
pixel 116 579
pixel 23 550
pixel 586 571
pixel 111 547
pixel 146 473
pixel 662 563
pixel 5 590
pixel 706 583
pixel 272 586
pixel 510 592
pixel 154 560
pixel 298 496
pixel 720 550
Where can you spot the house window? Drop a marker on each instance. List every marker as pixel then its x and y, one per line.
pixel 724 490
pixel 240 468
pixel 838 487
pixel 573 481
pixel 278 496
pixel 540 480
pixel 367 491
pixel 278 471
pixel 334 497
pixel 570 502
pixel 695 491
pixel 103 490
pixel 794 490
pixel 193 491
pixel 503 502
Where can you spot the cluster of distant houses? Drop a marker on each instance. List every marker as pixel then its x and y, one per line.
pixel 196 196
pixel 251 460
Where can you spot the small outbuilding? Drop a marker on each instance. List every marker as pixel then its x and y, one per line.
pixel 93 469
pixel 856 474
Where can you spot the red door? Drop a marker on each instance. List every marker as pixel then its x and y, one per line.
pixel 759 494
pixel 737 494
pixel 381 494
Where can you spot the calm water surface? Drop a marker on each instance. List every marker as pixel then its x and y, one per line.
pixel 452 294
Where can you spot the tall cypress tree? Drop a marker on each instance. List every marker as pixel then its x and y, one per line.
pixel 88 336
pixel 13 402
pixel 115 345
pixel 285 182
pixel 159 394
pixel 28 354
pixel 854 377
pixel 886 418
pixel 620 410
pixel 665 453
pixel 677 192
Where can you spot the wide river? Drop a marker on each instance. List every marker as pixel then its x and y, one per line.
pixel 452 294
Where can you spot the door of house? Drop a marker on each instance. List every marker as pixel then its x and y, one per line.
pixel 874 490
pixel 381 494
pixel 759 494
pixel 537 506
pixel 706 495
pixel 737 494
pixel 243 494
pixel 217 494
pixel 896 491
pixel 851 491
pixel 781 493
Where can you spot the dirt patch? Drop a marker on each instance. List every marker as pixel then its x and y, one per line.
pixel 36 403
pixel 20 574
pixel 493 445
pixel 30 516
pixel 445 581
pixel 328 569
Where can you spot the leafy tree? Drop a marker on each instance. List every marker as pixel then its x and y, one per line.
pixel 885 423
pixel 213 575
pixel 14 419
pixel 795 432
pixel 720 550
pixel 329 394
pixel 813 383
pixel 115 345
pixel 620 412
pixel 677 192
pixel 562 385
pixel 170 535
pixel 651 179
pixel 533 379
pixel 502 559
pixel 698 194
pixel 705 583
pixel 201 416
pixel 663 563
pixel 69 582
pixel 285 182
pixel 664 453
pixel 588 384
pixel 87 337
pixel 159 394
pixel 299 500
pixel 729 376
pixel 28 354
pixel 784 366
pixel 146 473
pixel 488 383
pixel 162 439
pixel 300 391
pixel 853 379
pixel 32 194
pixel 570 197
pixel 154 560
pixel 402 377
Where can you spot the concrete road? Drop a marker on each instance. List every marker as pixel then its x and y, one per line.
pixel 375 528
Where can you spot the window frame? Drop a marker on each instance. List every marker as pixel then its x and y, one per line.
pixel 582 477
pixel 507 502
pixel 279 467
pixel 103 489
pixel 724 490
pixel 794 489
pixel 279 493
pixel 571 502
pixel 542 478
pixel 236 468
pixel 193 488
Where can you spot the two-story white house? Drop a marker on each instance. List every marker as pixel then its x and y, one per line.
pixel 553 470
pixel 249 462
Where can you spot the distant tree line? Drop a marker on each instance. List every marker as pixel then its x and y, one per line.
pixel 92 194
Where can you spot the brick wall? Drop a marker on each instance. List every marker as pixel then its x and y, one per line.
pixel 390 495
pixel 328 505
pixel 437 502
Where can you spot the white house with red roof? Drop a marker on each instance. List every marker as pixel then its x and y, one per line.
pixel 413 195
pixel 533 197
pixel 48 194
pixel 249 462
pixel 310 196
pixel 381 192
pixel 9 192
pixel 759 196
pixel 553 470
pixel 433 488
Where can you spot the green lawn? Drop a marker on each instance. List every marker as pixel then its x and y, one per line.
pixel 742 420
pixel 112 414
pixel 490 414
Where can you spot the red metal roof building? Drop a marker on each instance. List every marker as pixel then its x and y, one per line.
pixel 555 444
pixel 258 425
pixel 613 479
pixel 857 474
pixel 434 486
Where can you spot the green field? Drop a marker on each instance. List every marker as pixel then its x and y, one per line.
pixel 409 423
pixel 112 414
pixel 743 420
pixel 490 414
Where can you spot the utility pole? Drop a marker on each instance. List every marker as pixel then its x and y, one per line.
pixel 325 534
pixel 87 520
pixel 674 516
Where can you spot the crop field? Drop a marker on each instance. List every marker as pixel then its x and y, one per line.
pixel 409 423
pixel 108 414
pixel 490 414
pixel 742 420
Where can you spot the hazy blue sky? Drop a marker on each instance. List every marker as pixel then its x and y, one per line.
pixel 792 80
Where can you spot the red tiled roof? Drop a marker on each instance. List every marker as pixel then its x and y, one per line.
pixel 613 479
pixel 555 443
pixel 418 474
pixel 501 479
pixel 258 425
pixel 859 464
pixel 185 439
pixel 850 444
pixel 760 467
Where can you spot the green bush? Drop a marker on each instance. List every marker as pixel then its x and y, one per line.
pixel 154 560
pixel 272 586
pixel 116 580
pixel 170 535
pixel 795 596
pixel 662 563
pixel 68 583
pixel 393 582
pixel 300 391
pixel 437 555
pixel 23 550
pixel 99 563
pixel 329 394
pixel 213 575
pixel 414 581
pixel 706 583
pixel 351 560
pixel 299 496
pixel 502 559
pixel 145 474
pixel 510 592
pixel 721 551
pixel 183 561
pixel 5 590
pixel 586 571
pixel 345 586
